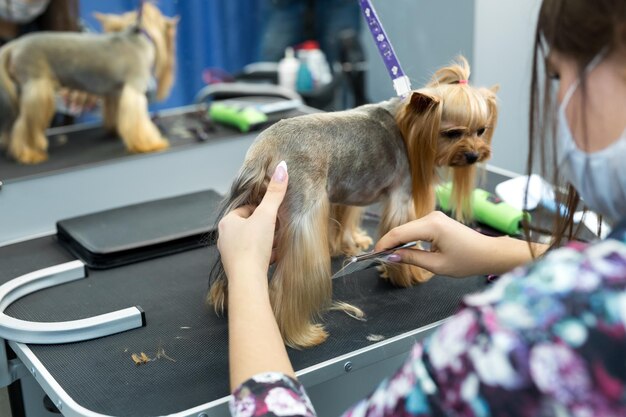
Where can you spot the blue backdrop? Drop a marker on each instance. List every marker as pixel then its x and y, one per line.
pixel 211 34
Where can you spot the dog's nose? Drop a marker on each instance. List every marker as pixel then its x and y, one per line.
pixel 471 157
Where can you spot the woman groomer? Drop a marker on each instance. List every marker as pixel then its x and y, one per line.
pixel 545 340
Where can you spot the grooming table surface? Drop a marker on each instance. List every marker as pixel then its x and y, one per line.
pixel 100 374
pixel 192 370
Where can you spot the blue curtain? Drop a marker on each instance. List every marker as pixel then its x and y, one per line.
pixel 211 34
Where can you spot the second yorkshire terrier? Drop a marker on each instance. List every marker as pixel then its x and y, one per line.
pixel 339 162
pixel 116 66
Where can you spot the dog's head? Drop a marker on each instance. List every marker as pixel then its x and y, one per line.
pixel 162 31
pixel 449 123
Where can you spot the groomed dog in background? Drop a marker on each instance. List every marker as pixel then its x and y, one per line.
pixel 115 66
pixel 339 162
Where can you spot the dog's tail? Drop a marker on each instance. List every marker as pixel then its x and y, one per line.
pixel 248 189
pixel 8 91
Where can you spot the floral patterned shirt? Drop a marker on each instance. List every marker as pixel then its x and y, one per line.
pixel 544 340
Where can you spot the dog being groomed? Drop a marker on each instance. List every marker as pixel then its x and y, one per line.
pixel 339 162
pixel 115 66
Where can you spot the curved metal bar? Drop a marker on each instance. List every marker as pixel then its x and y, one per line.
pixel 25 331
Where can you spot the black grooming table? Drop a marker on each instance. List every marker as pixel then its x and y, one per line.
pixel 189 340
pixel 100 374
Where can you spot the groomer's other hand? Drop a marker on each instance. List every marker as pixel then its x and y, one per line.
pixel 246 234
pixel 78 102
pixel 456 250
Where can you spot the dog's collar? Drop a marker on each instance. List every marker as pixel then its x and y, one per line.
pixel 145 33
pixel 141 31
pixel 153 82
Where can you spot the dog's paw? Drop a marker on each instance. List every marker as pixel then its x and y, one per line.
pixel 361 239
pixel 382 271
pixel 353 243
pixel 29 156
pixel 150 146
pixel 402 275
pixel 350 249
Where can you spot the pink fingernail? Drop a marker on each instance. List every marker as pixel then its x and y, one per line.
pixel 394 257
pixel 280 174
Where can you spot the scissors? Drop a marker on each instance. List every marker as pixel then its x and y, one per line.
pixel 359 263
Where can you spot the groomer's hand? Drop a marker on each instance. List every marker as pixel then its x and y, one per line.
pixel 456 250
pixel 246 234
pixel 78 102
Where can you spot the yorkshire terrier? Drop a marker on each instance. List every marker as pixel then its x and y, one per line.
pixel 115 66
pixel 340 162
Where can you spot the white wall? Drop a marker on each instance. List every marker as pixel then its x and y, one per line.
pixel 503 43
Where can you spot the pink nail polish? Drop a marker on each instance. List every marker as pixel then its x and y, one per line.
pixel 280 174
pixel 394 257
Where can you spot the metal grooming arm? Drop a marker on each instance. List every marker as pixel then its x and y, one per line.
pixel 24 331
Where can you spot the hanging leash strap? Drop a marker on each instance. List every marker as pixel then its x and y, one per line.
pixel 139 13
pixel 401 82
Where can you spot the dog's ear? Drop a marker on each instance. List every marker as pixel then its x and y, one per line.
pixel 489 94
pixel 173 21
pixel 110 22
pixel 422 101
pixel 419 121
pixel 100 17
pixel 165 73
pixel 170 27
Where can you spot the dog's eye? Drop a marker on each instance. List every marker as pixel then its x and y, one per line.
pixel 452 134
pixel 481 131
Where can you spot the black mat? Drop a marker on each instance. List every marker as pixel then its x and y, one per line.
pixel 91 145
pixel 141 231
pixel 100 374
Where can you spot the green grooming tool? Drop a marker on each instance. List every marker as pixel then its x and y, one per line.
pixel 243 118
pixel 245 115
pixel 487 209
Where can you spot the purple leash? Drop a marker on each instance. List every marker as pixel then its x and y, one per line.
pixel 401 82
pixel 140 13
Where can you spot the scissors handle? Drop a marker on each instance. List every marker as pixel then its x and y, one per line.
pixel 371 255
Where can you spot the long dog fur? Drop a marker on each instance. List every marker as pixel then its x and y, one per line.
pixel 339 162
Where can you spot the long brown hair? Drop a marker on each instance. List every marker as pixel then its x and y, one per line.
pixel 578 29
pixel 60 15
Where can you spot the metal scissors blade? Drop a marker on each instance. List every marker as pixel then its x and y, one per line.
pixel 364 261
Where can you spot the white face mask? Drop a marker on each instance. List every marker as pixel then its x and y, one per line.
pixel 21 12
pixel 599 177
